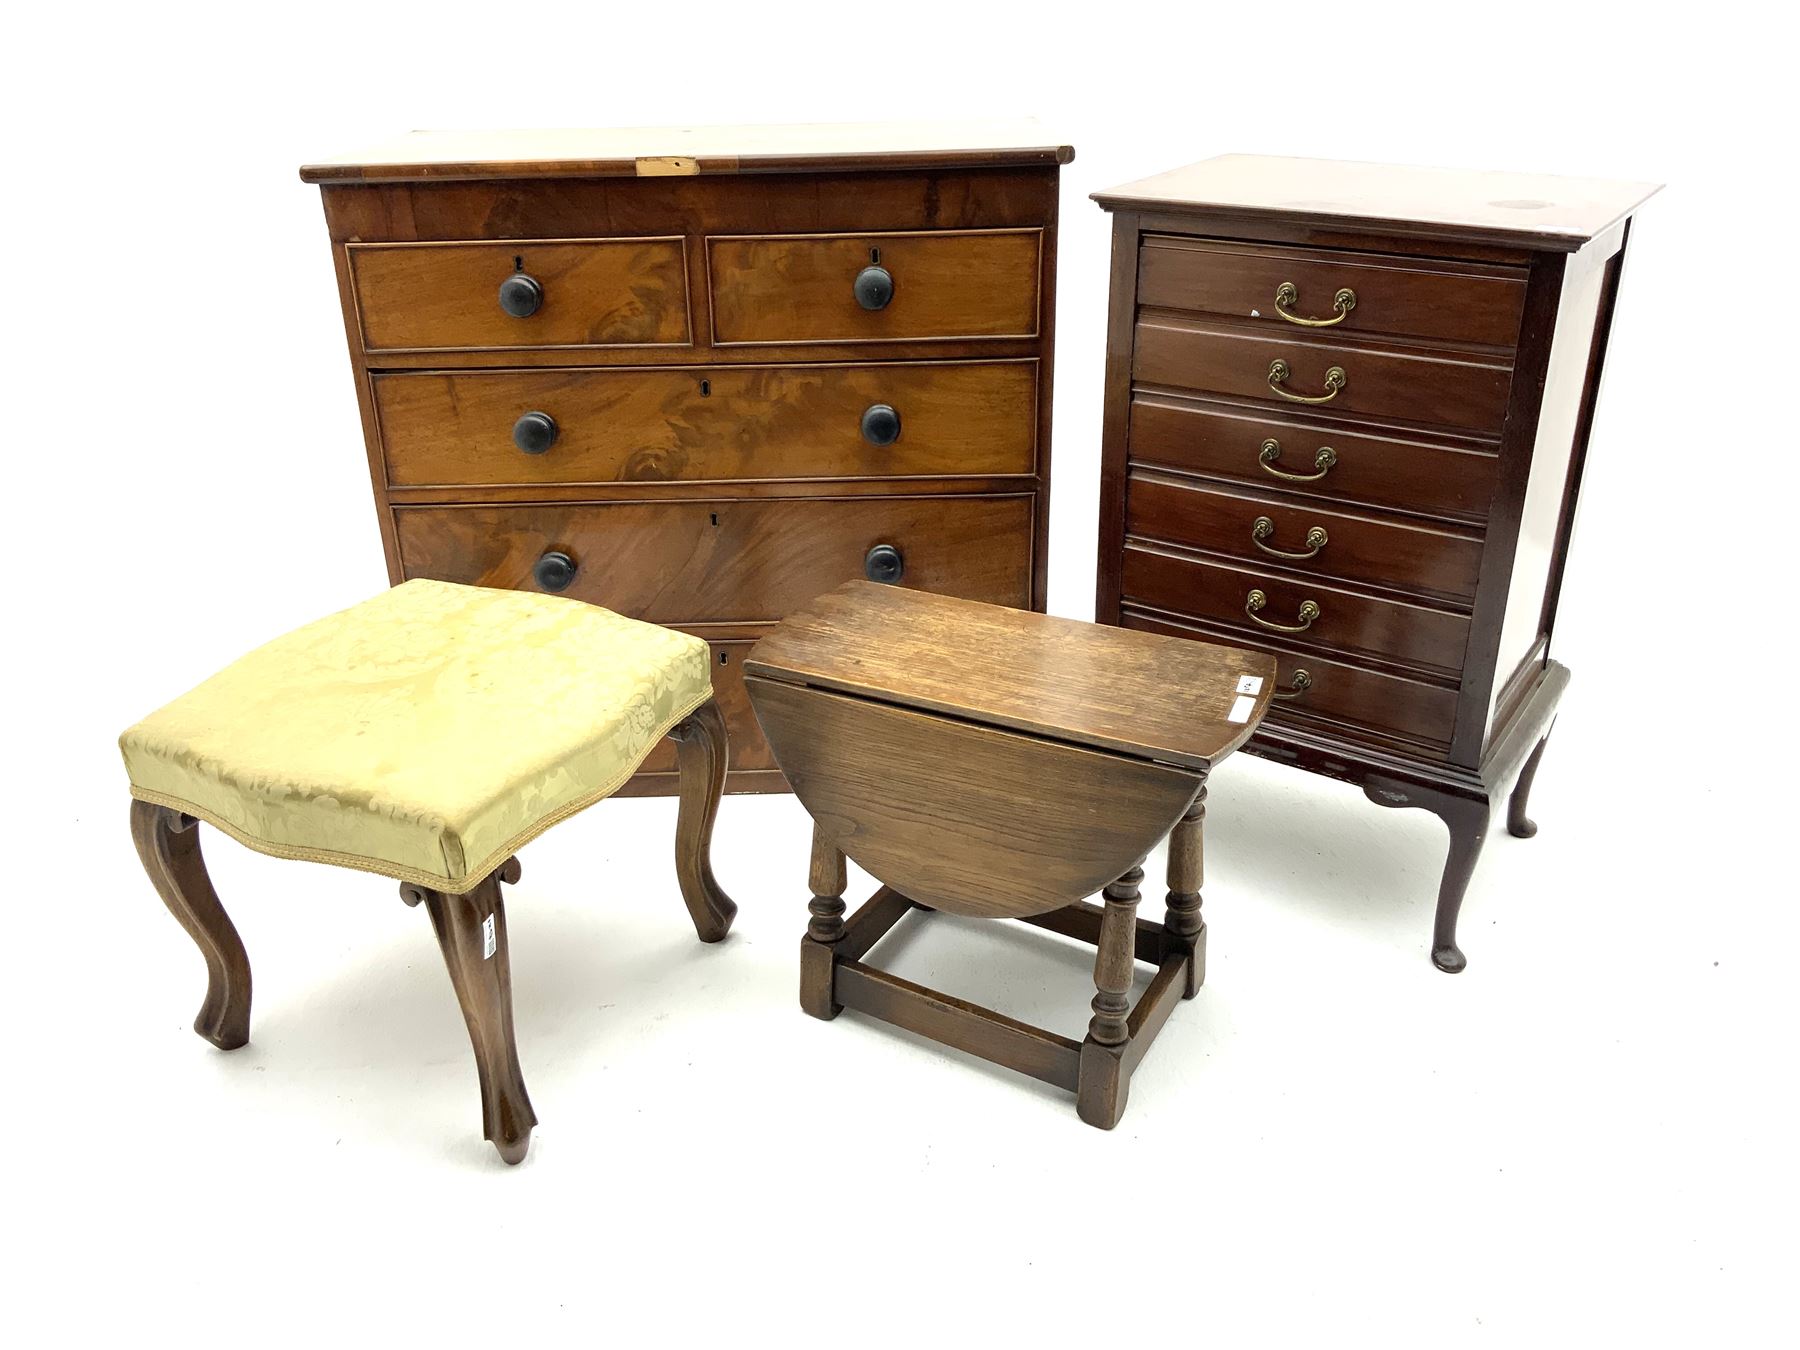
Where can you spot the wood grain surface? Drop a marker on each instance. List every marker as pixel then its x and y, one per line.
pixel 962 817
pixel 1433 560
pixel 587 152
pixel 727 561
pixel 1315 689
pixel 711 423
pixel 1434 477
pixel 1431 388
pixel 1133 693
pixel 597 293
pixel 1396 297
pixel 1540 210
pixel 947 284
pixel 1349 620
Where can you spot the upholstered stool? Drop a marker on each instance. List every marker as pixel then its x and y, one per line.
pixel 425 735
pixel 999 764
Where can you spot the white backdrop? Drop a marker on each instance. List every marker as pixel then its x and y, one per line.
pixel 1586 1135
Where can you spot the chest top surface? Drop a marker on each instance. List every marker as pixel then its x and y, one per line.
pixel 449 156
pixel 1135 693
pixel 1541 209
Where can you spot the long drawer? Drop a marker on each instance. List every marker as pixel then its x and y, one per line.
pixel 1347 292
pixel 1305 537
pixel 1438 388
pixel 1341 620
pixel 728 561
pixel 590 293
pixel 708 423
pixel 748 748
pixel 1273 452
pixel 939 284
pixel 1314 686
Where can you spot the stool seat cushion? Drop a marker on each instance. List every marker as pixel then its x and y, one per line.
pixel 425 734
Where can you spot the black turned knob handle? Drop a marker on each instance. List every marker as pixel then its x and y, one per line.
pixel 535 432
pixel 554 571
pixel 884 563
pixel 880 424
pixel 521 295
pixel 874 287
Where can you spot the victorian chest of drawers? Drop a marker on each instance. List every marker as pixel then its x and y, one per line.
pixel 1347 409
pixel 700 376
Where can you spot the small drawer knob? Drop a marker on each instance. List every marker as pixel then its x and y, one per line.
pixel 884 564
pixel 535 432
pixel 521 295
pixel 874 287
pixel 880 424
pixel 554 571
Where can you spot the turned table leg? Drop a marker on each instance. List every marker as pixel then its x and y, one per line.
pixel 168 844
pixel 700 753
pixel 471 931
pixel 1517 822
pixel 824 929
pixel 1183 920
pixel 1103 1084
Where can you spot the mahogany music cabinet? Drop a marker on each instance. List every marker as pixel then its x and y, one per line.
pixel 1347 409
pixel 699 376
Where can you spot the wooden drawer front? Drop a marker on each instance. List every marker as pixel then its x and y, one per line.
pixel 727 561
pixel 596 293
pixel 748 748
pixel 1398 297
pixel 1389 704
pixel 946 284
pixel 1348 622
pixel 1349 547
pixel 1435 480
pixel 719 422
pixel 1440 389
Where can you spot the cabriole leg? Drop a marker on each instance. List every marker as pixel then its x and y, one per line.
pixel 471 931
pixel 1467 820
pixel 1468 824
pixel 168 844
pixel 1517 822
pixel 700 753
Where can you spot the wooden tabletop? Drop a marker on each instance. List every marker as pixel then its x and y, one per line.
pixel 1142 694
pixel 1503 207
pixel 450 156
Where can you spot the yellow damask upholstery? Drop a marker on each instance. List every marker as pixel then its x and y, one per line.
pixel 425 734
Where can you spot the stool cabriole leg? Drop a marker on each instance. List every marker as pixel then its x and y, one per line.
pixel 1183 920
pixel 828 876
pixel 471 931
pixel 700 755
pixel 168 844
pixel 1103 1084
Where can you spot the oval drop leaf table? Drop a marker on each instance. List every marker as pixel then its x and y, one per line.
pixel 995 763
